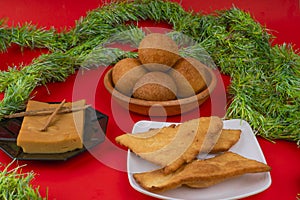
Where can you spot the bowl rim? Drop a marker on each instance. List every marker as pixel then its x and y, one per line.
pixel 182 101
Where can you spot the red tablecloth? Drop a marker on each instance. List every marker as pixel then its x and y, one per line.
pixel 98 174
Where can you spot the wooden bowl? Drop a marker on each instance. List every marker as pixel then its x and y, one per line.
pixel 160 108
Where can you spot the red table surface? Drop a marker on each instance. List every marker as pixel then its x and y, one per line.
pixel 101 174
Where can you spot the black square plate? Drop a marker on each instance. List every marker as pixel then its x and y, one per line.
pixel 94 133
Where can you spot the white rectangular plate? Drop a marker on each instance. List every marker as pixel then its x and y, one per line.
pixel 235 188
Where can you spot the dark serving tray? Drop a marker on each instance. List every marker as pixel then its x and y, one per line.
pixel 94 133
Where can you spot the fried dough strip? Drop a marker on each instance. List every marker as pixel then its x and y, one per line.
pixel 200 173
pixel 147 143
pixel 170 147
pixel 227 139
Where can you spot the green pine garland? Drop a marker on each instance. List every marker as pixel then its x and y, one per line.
pixel 265 77
pixel 14 184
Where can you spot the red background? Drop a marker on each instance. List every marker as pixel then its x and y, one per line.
pixel 84 177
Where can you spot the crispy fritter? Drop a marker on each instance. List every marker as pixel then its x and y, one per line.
pixel 136 142
pixel 155 86
pixel 200 173
pixel 158 52
pixel 170 147
pixel 227 139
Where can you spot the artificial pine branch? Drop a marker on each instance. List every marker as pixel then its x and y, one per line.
pixel 265 77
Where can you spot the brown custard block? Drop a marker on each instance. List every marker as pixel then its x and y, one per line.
pixel 65 132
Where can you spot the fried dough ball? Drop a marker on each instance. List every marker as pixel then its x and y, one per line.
pixel 190 76
pixel 155 86
pixel 126 73
pixel 158 51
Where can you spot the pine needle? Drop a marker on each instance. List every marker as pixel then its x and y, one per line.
pixel 14 184
pixel 265 78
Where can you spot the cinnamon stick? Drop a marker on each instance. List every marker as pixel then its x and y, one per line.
pixel 52 116
pixel 46 111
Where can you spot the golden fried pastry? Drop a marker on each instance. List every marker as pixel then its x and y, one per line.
pixel 126 73
pixel 200 173
pixel 172 146
pixel 155 86
pixel 190 76
pixel 159 51
pixel 227 139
